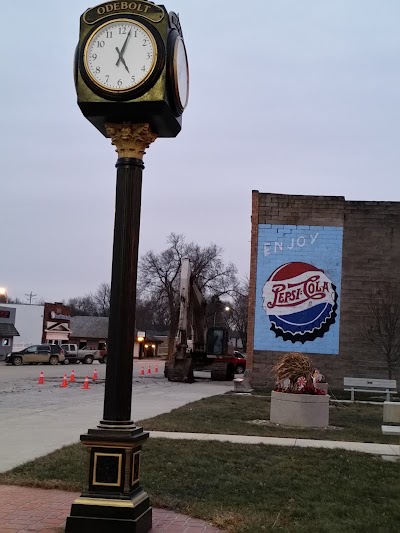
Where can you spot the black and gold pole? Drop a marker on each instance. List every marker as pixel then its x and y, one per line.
pixel 114 500
pixel 132 83
pixel 130 140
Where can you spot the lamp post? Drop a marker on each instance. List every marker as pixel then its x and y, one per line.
pixel 114 500
pixel 132 82
pixel 226 308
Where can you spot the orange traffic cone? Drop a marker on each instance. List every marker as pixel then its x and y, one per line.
pixel 72 376
pixel 142 372
pixel 94 377
pixel 41 378
pixel 149 370
pixel 156 369
pixel 64 382
pixel 86 383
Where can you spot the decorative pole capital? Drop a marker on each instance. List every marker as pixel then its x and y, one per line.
pixel 130 140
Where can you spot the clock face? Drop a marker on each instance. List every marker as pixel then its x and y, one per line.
pixel 120 55
pixel 181 74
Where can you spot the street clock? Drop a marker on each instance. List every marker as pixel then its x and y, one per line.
pixel 131 66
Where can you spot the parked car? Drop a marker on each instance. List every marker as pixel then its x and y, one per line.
pixel 40 353
pixel 103 356
pixel 239 362
pixel 83 355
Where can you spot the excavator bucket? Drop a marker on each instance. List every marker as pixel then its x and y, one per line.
pixel 180 370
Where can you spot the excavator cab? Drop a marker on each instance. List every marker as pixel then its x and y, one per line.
pixel 217 341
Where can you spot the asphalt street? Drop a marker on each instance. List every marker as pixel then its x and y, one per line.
pixel 37 419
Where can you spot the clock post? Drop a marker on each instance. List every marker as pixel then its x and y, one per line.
pixel 131 78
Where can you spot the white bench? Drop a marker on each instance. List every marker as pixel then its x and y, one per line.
pixel 386 386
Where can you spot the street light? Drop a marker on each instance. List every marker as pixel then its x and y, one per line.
pixel 226 308
pixel 3 295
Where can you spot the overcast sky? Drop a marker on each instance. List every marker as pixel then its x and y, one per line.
pixel 286 96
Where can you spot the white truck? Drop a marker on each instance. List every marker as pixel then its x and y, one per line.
pixel 83 355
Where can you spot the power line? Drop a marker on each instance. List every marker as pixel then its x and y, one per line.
pixel 30 297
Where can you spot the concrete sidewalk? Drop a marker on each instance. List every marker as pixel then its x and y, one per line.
pixel 387 451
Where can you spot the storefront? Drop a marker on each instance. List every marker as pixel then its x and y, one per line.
pixel 7 330
pixel 56 323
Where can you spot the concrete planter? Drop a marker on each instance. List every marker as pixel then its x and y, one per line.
pixel 322 386
pixel 299 410
pixel 391 412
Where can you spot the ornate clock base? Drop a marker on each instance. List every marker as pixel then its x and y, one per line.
pixel 116 516
pixel 114 500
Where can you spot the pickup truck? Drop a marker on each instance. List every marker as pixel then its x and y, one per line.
pixel 83 355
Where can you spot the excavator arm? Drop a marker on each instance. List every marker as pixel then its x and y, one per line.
pixel 196 346
pixel 191 328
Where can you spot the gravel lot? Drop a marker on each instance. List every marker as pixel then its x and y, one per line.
pixel 36 419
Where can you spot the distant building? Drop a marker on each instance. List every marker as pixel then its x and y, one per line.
pixel 92 332
pixel 56 323
pixel 89 331
pixel 29 323
pixel 38 324
pixel 7 330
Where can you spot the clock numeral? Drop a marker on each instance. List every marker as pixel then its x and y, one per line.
pixel 143 69
pixel 119 83
pixel 94 56
pixel 100 44
pixel 135 33
pixel 107 77
pixel 133 79
pixel 145 41
pixel 148 55
pixel 122 30
pixel 97 70
pixel 109 34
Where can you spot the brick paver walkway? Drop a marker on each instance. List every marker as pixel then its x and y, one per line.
pixel 24 510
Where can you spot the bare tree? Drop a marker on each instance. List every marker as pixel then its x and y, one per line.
pixel 13 301
pixel 159 276
pixel 82 306
pixel 239 311
pixel 150 315
pixel 382 325
pixel 101 299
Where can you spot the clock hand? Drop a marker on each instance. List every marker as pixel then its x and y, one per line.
pixel 120 58
pixel 123 48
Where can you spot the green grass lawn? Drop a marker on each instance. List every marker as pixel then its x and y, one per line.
pixel 249 488
pixel 234 414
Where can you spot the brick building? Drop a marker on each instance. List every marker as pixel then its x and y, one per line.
pixel 56 323
pixel 315 261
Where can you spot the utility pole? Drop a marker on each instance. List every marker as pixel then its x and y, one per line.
pixel 30 297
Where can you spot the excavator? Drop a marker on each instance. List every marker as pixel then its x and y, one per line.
pixel 198 347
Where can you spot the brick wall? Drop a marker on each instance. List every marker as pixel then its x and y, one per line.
pixel 371 254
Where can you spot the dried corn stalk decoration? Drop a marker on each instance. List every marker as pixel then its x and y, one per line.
pixel 290 368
